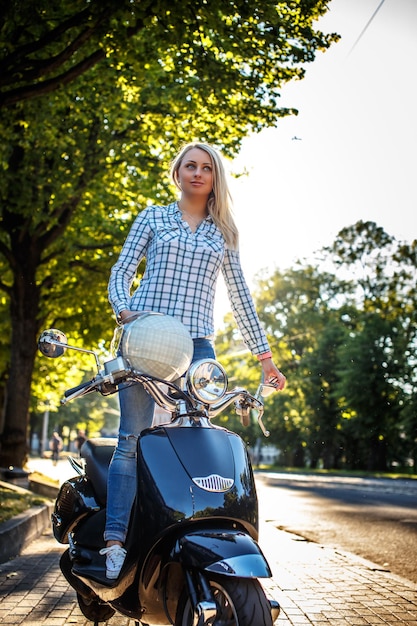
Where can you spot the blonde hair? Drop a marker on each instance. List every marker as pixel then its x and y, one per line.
pixel 219 204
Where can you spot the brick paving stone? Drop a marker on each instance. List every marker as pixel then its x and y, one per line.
pixel 315 585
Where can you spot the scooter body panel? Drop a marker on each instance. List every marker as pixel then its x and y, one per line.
pixel 190 474
pixel 222 551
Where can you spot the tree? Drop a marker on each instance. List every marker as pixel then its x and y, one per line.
pixel 300 310
pixel 95 98
pixel 369 398
pixel 324 439
pixel 377 361
pixel 406 256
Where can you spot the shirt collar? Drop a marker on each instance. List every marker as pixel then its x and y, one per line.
pixel 174 207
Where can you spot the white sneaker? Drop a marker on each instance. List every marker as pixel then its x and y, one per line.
pixel 115 557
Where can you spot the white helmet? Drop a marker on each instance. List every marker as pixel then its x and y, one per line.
pixel 158 345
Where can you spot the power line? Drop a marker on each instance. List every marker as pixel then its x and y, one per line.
pixel 365 28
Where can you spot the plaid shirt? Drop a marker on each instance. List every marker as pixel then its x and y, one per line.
pixel 181 274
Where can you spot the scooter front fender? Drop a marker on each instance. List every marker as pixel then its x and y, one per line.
pixel 227 552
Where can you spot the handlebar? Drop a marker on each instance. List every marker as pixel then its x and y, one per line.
pixel 82 386
pixel 108 383
pixel 81 390
pixel 53 342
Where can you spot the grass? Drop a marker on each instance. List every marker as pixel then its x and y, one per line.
pixel 41 478
pixel 14 500
pixel 358 473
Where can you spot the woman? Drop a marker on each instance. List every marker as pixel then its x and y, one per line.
pixel 185 244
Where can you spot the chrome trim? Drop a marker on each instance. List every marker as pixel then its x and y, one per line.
pixel 275 609
pixel 56 520
pixel 214 483
pixel 77 465
pixel 205 613
pixel 206 380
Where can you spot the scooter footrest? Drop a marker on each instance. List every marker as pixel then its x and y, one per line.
pixel 94 570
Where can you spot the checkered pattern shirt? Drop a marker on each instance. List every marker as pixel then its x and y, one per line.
pixel 182 268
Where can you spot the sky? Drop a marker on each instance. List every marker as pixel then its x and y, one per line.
pixel 349 155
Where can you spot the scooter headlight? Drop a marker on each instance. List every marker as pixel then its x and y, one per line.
pixel 207 381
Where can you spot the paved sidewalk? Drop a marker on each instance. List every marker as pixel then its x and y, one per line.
pixel 314 584
pixel 319 585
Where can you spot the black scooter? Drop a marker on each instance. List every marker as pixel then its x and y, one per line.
pixel 192 552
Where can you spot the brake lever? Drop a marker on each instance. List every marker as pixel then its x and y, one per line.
pixel 264 390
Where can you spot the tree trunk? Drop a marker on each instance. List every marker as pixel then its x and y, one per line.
pixel 377 456
pixel 24 314
pixel 14 446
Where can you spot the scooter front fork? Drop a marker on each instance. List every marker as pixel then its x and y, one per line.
pixel 202 600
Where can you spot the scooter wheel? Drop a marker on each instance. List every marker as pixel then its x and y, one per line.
pixel 94 610
pixel 240 602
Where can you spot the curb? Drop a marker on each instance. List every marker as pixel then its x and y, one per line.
pixel 43 488
pixel 22 529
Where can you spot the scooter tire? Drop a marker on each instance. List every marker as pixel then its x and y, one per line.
pixel 94 610
pixel 240 602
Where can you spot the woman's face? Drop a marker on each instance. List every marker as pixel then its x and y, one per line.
pixel 195 173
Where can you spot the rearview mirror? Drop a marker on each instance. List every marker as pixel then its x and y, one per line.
pixel 52 343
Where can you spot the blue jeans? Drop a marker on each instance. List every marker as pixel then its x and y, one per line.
pixel 136 414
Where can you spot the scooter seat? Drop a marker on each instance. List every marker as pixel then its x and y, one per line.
pixel 97 454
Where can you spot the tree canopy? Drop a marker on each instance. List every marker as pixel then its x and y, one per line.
pixel 49 44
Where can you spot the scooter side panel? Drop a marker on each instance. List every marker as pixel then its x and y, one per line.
pixel 76 499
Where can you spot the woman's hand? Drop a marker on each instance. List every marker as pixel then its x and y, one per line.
pixel 272 375
pixel 125 315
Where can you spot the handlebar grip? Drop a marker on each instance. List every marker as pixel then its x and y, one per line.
pixel 69 392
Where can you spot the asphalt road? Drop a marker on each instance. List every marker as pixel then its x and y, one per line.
pixel 375 519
